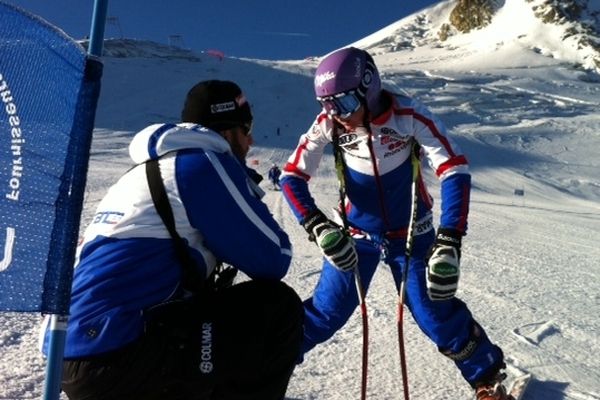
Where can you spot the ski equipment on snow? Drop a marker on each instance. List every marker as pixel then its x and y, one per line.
pixel 518 386
pixel 416 166
pixel 340 169
pixel 496 390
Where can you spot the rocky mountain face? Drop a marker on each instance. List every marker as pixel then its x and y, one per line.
pixel 472 14
pixel 578 20
pixel 581 19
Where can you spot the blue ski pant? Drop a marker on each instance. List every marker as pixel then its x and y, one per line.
pixel 449 324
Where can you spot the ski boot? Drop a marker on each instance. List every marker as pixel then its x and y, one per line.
pixel 492 389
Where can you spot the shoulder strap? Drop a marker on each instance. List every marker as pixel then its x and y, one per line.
pixel 190 276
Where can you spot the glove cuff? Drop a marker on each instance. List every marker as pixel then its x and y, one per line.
pixel 449 237
pixel 313 220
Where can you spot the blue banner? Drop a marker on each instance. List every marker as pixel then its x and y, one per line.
pixel 49 89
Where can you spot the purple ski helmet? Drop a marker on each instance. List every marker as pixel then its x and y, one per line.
pixel 349 69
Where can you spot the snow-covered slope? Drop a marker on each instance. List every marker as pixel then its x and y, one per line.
pixel 519 33
pixel 530 263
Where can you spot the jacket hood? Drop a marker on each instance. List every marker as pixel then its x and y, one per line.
pixel 159 139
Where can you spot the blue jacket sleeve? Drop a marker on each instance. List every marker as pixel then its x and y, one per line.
pixel 295 190
pixel 237 226
pixel 455 194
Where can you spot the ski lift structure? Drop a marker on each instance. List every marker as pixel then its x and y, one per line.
pixel 114 21
pixel 176 40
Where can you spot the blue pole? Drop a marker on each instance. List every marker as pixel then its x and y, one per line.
pixel 58 323
pixel 56 349
pixel 97 29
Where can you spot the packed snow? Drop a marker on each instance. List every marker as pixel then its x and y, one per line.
pixel 528 123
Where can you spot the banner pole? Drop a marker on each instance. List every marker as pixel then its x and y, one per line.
pixel 56 347
pixel 97 29
pixel 58 323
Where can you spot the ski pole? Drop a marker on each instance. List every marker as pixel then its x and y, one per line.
pixel 401 335
pixel 407 255
pixel 365 325
pixel 340 167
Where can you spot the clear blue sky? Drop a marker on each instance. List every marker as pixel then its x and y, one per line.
pixel 266 29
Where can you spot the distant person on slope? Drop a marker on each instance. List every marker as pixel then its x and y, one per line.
pixel 150 317
pixel 274 174
pixel 379 136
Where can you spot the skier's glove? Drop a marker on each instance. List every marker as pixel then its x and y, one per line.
pixel 443 265
pixel 335 244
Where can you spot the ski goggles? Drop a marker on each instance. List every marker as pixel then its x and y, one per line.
pixel 342 104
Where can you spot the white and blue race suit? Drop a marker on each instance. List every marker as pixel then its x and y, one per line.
pixel 378 178
pixel 126 260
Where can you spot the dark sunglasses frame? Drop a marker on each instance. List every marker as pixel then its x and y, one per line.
pixel 247 128
pixel 224 125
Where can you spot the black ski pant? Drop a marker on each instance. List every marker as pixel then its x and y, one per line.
pixel 243 346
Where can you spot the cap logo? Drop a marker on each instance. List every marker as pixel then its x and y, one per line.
pixel 324 77
pixel 222 107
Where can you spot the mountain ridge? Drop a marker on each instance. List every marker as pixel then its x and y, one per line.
pixel 567 31
pixel 463 31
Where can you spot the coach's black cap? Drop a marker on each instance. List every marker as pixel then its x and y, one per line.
pixel 217 105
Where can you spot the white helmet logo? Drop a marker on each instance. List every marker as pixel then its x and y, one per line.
pixel 324 77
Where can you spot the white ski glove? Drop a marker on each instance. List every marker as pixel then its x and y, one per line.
pixel 335 244
pixel 443 265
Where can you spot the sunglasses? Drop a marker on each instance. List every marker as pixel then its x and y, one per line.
pixel 246 128
pixel 342 104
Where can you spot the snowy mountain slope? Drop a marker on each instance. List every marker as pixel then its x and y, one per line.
pixel 130 48
pixel 566 31
pixel 530 265
pixel 159 92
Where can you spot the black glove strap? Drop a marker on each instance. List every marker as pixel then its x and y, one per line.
pixel 449 237
pixel 312 220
